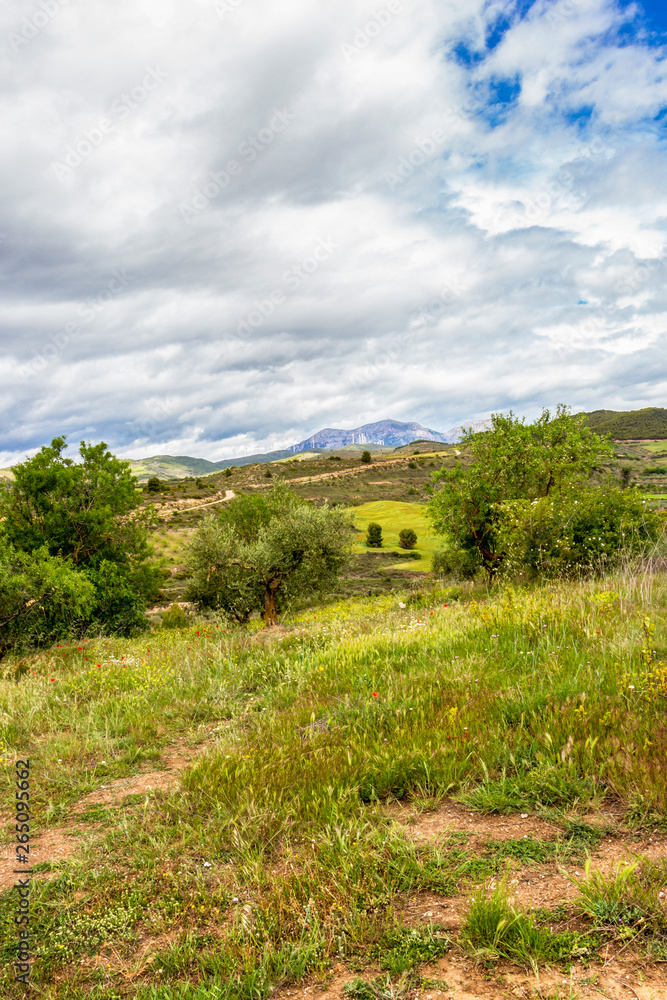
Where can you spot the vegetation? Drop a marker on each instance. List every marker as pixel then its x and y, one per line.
pixel 407 538
pixel 263 553
pixel 308 762
pixel 645 424
pixel 280 852
pixel 75 553
pixel 153 485
pixel 374 535
pixel 510 462
pixel 366 457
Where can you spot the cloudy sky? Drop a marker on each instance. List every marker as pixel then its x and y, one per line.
pixel 229 223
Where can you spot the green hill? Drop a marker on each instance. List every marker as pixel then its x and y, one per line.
pixel 630 424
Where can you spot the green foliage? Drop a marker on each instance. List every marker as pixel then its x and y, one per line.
pixel 407 538
pixel 266 552
pixel 575 532
pixel 512 461
pixel 42 597
pixel 374 535
pixel 628 897
pixel 153 485
pixel 637 425
pixel 457 563
pixel 82 514
pixel 366 457
pixel 496 928
pixel 228 472
pixel 175 617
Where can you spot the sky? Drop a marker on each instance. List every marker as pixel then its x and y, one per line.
pixel 226 224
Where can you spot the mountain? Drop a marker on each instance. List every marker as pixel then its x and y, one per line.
pixel 628 425
pixel 387 432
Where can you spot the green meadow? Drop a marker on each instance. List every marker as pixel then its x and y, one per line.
pixel 283 853
pixel 393 516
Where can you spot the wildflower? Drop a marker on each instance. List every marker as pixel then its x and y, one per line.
pixel 375 694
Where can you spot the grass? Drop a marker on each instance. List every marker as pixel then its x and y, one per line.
pixel 393 517
pixel 278 853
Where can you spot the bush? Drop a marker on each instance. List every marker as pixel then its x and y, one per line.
pixel 407 539
pixel 374 535
pixel 174 617
pixel 575 533
pixel 412 465
pixel 153 485
pixel 456 563
pixel 366 457
pixel 228 471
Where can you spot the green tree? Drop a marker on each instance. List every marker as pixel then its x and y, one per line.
pixel 85 514
pixel 366 457
pixel 407 538
pixel 153 485
pixel 265 552
pixel 511 461
pixel 42 597
pixel 374 535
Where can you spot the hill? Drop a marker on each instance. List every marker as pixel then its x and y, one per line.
pixel 630 425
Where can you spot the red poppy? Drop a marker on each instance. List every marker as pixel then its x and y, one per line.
pixel 375 694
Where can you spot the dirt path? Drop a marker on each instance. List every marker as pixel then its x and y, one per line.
pixel 56 844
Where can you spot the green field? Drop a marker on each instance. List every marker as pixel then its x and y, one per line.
pixel 398 797
pixel 393 516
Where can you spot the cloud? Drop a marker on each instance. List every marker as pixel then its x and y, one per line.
pixel 170 172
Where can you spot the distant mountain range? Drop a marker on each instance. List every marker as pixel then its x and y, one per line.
pixel 382 434
pixel 645 424
pixel 391 433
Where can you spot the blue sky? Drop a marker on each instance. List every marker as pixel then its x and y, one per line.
pixel 229 223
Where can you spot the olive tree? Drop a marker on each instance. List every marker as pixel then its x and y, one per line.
pixel 265 552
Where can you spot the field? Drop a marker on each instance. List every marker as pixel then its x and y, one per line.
pixel 393 517
pixel 460 793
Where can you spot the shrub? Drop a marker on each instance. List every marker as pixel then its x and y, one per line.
pixel 374 535
pixel 412 465
pixel 228 471
pixel 174 617
pixel 366 457
pixel 335 458
pixel 457 563
pixel 575 533
pixel 268 474
pixel 153 485
pixel 407 539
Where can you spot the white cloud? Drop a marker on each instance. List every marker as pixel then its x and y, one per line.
pixel 470 202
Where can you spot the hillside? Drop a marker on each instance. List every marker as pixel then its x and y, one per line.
pixel 630 425
pixel 362 804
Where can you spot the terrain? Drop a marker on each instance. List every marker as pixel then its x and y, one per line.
pixel 363 803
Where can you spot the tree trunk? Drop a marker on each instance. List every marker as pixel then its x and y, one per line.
pixel 270 610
